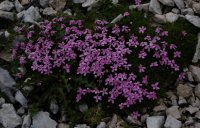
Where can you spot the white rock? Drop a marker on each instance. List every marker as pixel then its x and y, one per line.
pixel 197 115
pixel 19 97
pixel 78 1
pixel 49 11
pixel 89 3
pixel 175 10
pixel 63 125
pixel 155 121
pixel 26 121
pixel 171 17
pixel 25 2
pixel 113 122
pixel 187 11
pixel 155 7
pixel 102 125
pixel 7 34
pixel 196 56
pixel 31 15
pixel 195 72
pixel 44 3
pixel 18 6
pixel 82 126
pixel 68 12
pixel 8 116
pixel 184 90
pixel 171 122
pixel 192 109
pixel 182 101
pixel 115 1
pixel 6 5
pixel 197 125
pixel 159 108
pixel 189 121
pixel 58 5
pixel 160 18
pixel 180 4
pixel 195 20
pixel 117 19
pixel 173 111
pixel 167 2
pixel 7 15
pixel 42 120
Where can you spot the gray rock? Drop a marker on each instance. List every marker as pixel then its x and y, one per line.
pixel 189 121
pixel 173 111
pixel 155 121
pixel 189 76
pixel 171 122
pixel 26 121
pixel 58 5
pixel 140 7
pixel 195 72
pixel 68 12
pixel 115 1
pixel 113 122
pixel 180 4
pixel 42 120
pixel 182 101
pixel 102 125
pixel 7 15
pixel 83 107
pixel 175 10
pixel 44 3
pixel 155 7
pixel 184 90
pixel 160 18
pixel 159 108
pixel 25 2
pixel 6 5
pixel 196 56
pixel 82 126
pixel 192 109
pixel 89 3
pixel 6 56
pixel 196 8
pixel 130 120
pixel 197 115
pixel 18 6
pixel 167 2
pixel 195 20
pixel 197 91
pixel 117 19
pixel 144 118
pixel 54 107
pixel 197 125
pixel 2 101
pixel 21 111
pixel 19 97
pixel 49 11
pixel 187 11
pixel 78 1
pixel 31 15
pixel 171 17
pixel 8 116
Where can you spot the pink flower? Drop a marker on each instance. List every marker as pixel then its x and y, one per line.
pixel 142 29
pixel 184 33
pixel 135 115
pixel 154 64
pixel 155 86
pixel 164 33
pixel 177 54
pixel 126 14
pixel 145 79
pixel 142 54
pixel 182 76
pixel 141 68
pixel 158 29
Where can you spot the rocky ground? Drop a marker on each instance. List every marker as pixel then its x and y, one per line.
pixel 180 108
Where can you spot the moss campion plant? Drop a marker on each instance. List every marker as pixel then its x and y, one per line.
pixel 103 54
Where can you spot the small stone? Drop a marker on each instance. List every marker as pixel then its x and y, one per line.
pixel 102 125
pixel 115 1
pixel 83 107
pixel 26 121
pixel 42 120
pixel 2 101
pixel 144 118
pixel 49 11
pixel 192 109
pixel 180 4
pixel 18 6
pixel 58 5
pixel 189 121
pixel 54 107
pixel 182 101
pixel 68 12
pixel 187 11
pixel 7 15
pixel 197 115
pixel 195 20
pixel 184 90
pixel 167 2
pixel 44 3
pixel 196 8
pixel 31 15
pixel 173 111
pixel 197 91
pixel 6 56
pixel 8 116
pixel 130 120
pixel 117 19
pixel 189 76
pixel 171 17
pixel 6 5
pixel 175 10
pixel 160 18
pixel 82 126
pixel 63 125
pixel 171 122
pixel 25 2
pixel 19 97
pixel 159 108
pixel 155 121
pixel 113 122
pixel 196 57
pixel 197 125
pixel 21 111
pixel 89 3
pixel 155 7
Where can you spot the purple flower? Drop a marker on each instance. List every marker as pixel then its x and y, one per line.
pixel 142 29
pixel 177 54
pixel 155 86
pixel 135 115
pixel 142 54
pixel 126 14
pixel 141 68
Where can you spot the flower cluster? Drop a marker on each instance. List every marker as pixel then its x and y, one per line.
pixel 102 53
